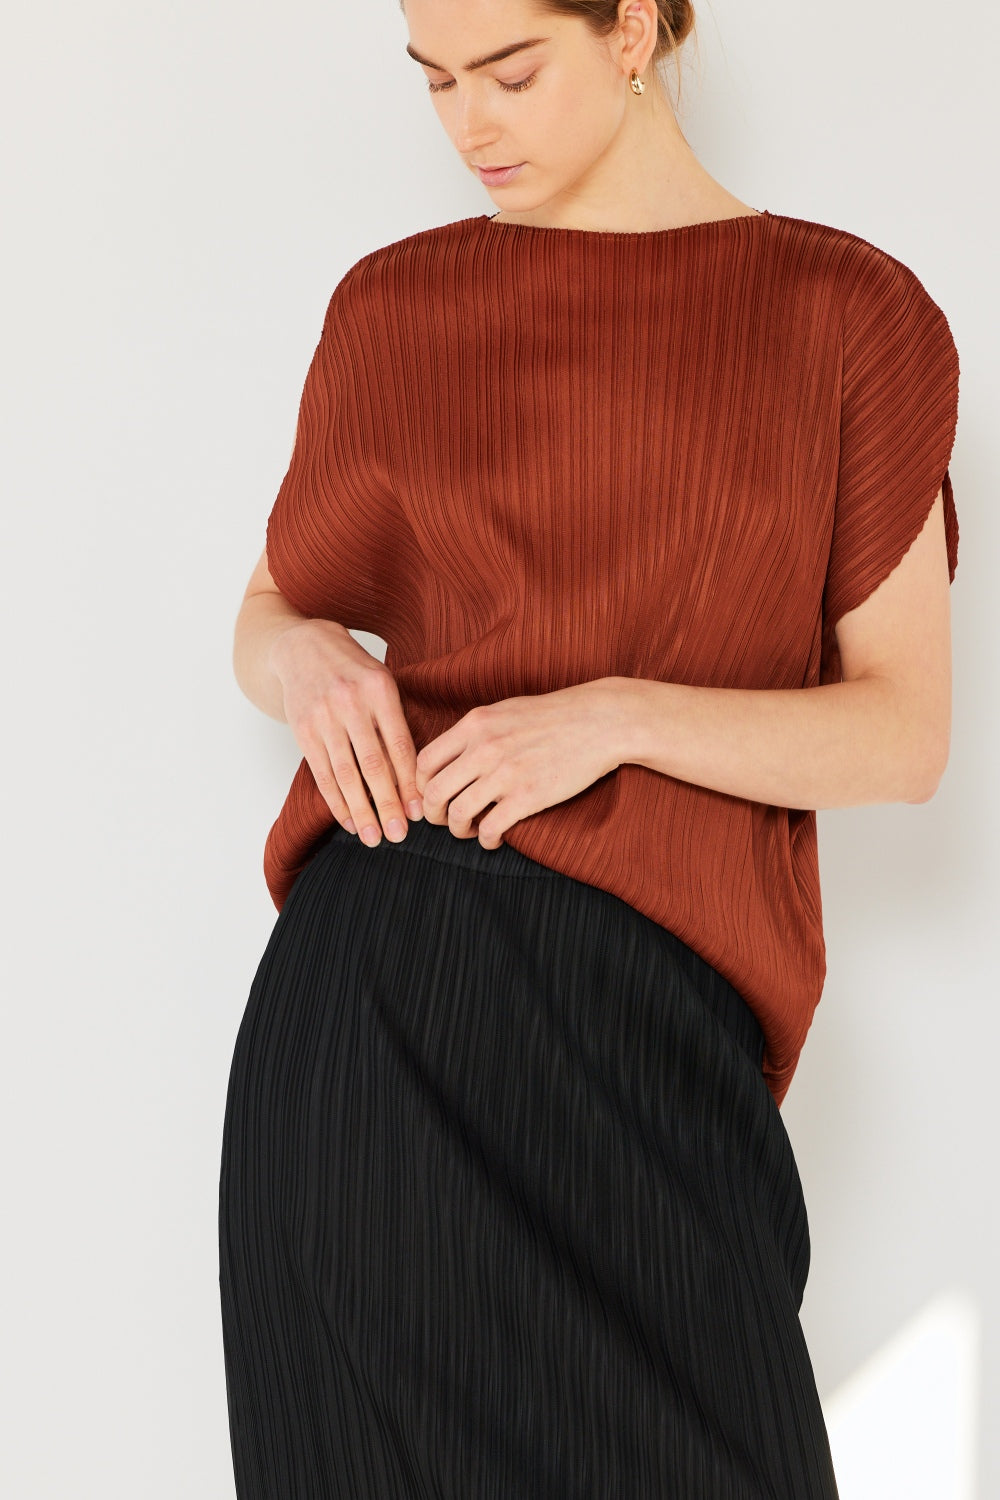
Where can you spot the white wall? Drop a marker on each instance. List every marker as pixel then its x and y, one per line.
pixel 184 185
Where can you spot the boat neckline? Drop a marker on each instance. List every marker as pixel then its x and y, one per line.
pixel 621 234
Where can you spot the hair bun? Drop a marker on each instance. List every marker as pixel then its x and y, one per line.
pixel 679 18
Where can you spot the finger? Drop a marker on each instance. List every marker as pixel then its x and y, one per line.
pixel 390 721
pixel 446 747
pixel 468 805
pixel 318 761
pixel 491 826
pixel 331 759
pixel 363 769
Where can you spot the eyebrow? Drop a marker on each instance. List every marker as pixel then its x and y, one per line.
pixel 480 62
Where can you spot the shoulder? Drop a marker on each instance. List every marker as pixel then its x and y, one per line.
pixel 388 297
pixel 858 281
pixel 393 269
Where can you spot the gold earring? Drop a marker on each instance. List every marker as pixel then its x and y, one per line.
pixel 635 82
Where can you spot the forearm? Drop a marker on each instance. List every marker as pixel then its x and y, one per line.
pixel 839 745
pixel 263 619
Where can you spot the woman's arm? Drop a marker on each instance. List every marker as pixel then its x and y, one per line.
pixel 341 703
pixel 264 616
pixel 881 735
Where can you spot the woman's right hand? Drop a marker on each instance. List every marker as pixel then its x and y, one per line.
pixel 343 707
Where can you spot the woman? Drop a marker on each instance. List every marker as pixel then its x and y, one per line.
pixel 647 493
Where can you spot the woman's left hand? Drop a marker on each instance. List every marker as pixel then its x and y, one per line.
pixel 523 754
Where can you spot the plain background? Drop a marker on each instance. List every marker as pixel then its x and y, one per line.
pixel 184 185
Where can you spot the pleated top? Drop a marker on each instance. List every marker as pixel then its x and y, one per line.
pixel 529 456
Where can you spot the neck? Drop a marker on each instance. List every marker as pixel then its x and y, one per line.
pixel 648 178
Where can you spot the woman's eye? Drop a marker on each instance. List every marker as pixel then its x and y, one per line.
pixel 510 88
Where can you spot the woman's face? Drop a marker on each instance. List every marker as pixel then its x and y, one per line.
pixel 555 106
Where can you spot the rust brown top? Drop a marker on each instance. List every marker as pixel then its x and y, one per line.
pixel 531 456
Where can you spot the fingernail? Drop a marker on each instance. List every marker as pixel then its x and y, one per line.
pixel 396 830
pixel 350 825
pixel 414 809
pixel 371 835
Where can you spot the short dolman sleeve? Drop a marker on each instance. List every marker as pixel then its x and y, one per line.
pixel 899 412
pixel 334 519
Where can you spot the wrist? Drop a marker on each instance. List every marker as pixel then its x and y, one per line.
pixel 288 634
pixel 621 697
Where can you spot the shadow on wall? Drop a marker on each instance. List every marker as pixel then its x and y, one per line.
pixel 905 1423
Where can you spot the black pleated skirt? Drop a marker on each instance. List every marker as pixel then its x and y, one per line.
pixel 506 1208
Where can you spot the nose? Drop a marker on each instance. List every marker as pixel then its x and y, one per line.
pixel 472 131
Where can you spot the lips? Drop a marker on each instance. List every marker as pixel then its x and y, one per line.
pixel 497 176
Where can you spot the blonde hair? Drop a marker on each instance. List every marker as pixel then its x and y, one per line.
pixel 675 23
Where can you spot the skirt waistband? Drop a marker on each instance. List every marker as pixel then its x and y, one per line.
pixel 436 841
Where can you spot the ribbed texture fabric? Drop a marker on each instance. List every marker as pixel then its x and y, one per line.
pixel 506 1208
pixel 527 457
